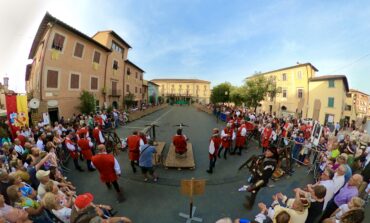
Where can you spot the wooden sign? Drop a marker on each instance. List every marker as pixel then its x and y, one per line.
pixel 192 187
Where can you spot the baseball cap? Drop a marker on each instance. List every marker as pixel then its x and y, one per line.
pixel 42 173
pixel 83 200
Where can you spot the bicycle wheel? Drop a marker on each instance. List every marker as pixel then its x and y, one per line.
pixel 109 144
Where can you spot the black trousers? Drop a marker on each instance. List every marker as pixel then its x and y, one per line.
pixel 212 163
pixel 115 185
pixel 225 152
pixel 330 208
pixel 75 162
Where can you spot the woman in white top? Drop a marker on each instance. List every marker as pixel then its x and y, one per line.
pixel 52 203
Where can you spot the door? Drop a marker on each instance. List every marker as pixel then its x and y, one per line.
pixel 53 115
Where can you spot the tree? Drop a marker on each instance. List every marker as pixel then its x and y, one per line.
pixel 238 95
pixel 87 102
pixel 129 100
pixel 256 90
pixel 221 93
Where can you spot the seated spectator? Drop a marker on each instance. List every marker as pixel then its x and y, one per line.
pixel 24 188
pixel 34 209
pixel 66 198
pixel 18 167
pixel 11 214
pixel 53 204
pixel 356 215
pixel 338 178
pixel 326 179
pixel 85 211
pixel 354 203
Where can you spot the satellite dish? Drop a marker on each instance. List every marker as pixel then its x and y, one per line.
pixel 34 103
pixel 53 103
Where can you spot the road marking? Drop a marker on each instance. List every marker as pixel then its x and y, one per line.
pixel 156 121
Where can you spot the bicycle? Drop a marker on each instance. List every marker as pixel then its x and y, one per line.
pixel 113 143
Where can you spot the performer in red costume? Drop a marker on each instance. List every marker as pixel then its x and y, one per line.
pixel 214 145
pixel 109 170
pixel 179 141
pixel 266 137
pixel 227 135
pixel 241 132
pixel 133 143
pixel 85 146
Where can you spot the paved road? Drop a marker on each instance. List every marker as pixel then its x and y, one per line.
pixel 161 202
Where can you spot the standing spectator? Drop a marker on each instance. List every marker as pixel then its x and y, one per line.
pixel 317 198
pixel 326 180
pixel 145 160
pixel 345 194
pixel 108 168
pixel 40 141
pixel 298 143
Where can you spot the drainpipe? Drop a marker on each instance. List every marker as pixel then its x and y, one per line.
pixel 105 80
pixel 50 25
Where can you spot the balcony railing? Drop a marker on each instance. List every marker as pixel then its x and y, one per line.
pixel 114 93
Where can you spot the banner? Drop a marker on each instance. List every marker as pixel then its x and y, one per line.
pixel 17 111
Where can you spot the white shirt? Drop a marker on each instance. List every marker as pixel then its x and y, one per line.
pixel 223 134
pixel 338 182
pixel 329 185
pixel 40 145
pixel 19 149
pixel 342 209
pixel 63 214
pixel 70 146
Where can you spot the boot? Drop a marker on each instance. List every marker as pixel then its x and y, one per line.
pixel 239 151
pixel 249 201
pixel 120 197
pixel 210 171
pixel 225 154
pixel 77 166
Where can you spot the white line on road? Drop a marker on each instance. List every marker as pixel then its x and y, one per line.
pixel 159 118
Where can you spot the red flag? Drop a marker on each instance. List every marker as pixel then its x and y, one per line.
pixel 11 111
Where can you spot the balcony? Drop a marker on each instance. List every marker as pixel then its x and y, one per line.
pixel 114 93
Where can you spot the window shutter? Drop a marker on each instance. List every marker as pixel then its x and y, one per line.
pixel 94 83
pixel 75 81
pixel 96 57
pixel 52 79
pixel 79 50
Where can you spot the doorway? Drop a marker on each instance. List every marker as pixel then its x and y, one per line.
pixel 53 115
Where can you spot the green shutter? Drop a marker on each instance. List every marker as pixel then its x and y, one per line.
pixel 331 83
pixel 331 102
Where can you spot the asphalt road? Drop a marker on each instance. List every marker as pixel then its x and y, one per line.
pixel 161 202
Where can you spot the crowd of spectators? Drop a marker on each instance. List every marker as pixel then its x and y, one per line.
pixel 33 185
pixel 339 192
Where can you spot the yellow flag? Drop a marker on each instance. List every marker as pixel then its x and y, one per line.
pixel 54 54
pixel 22 111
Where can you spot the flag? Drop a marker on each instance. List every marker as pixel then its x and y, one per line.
pixel 17 111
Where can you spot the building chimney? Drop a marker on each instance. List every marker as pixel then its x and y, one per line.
pixel 6 82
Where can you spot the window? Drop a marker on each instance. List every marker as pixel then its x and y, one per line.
pixel 141 77
pixel 96 58
pixel 52 79
pixel 74 81
pixel 284 93
pixel 79 49
pixel 140 90
pixel 331 102
pixel 300 93
pixel 299 75
pixel 128 71
pixel 127 88
pixel 348 108
pixel 331 83
pixel 94 83
pixel 115 65
pixel 135 90
pixel 136 74
pixel 114 88
pixel 58 42
pixel 284 76
pixel 116 47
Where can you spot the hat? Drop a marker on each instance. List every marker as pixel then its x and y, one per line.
pixel 83 200
pixel 42 173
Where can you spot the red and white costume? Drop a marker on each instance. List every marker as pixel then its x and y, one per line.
pixel 227 135
pixel 98 136
pixel 107 166
pixel 85 146
pixel 71 148
pixel 266 136
pixel 214 145
pixel 240 136
pixel 133 143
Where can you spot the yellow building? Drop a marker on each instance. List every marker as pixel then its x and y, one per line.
pixel 183 91
pixel 65 62
pixel 292 83
pixel 327 98
pixel 134 82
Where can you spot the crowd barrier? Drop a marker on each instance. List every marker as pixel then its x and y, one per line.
pixel 138 114
pixel 222 116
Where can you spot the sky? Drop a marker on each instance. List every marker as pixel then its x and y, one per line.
pixel 215 40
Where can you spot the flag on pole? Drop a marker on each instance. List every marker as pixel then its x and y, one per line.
pixel 17 111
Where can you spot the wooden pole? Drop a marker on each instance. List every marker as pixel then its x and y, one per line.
pixel 191 197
